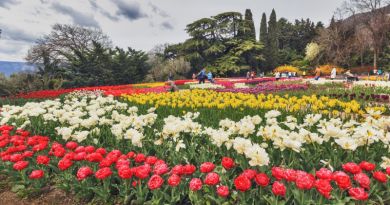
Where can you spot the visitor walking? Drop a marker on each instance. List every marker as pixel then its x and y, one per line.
pixel 202 76
pixel 277 75
pixel 351 77
pixel 170 77
pixel 333 74
pixel 210 77
pixel 253 75
pixel 387 76
pixel 248 75
pixel 193 76
pixel 318 74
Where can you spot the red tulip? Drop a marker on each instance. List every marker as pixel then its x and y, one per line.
pixel 178 169
pixel 278 188
pixel 324 173
pixel 278 173
pixel 324 187
pixel 189 169
pixel 125 172
pixel 227 163
pixel 174 180
pixel 212 179
pixel 143 171
pixel 290 175
pixel 160 169
pixel 195 184
pixel 20 165
pixel 84 172
pixel 262 179
pixel 352 168
pixel 36 174
pixel 358 193
pixel 64 164
pixel 249 173
pixel 151 160
pixel 367 166
pixel 103 173
pixel 139 158
pixel 42 159
pixel 342 180
pixel 155 182
pixel 363 180
pixel 223 191
pixel 380 176
pixel 207 167
pixel 71 145
pixel 305 181
pixel 242 183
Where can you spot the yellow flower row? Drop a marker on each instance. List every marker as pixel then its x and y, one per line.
pixel 374 78
pixel 222 100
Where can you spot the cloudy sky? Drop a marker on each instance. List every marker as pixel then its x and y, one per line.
pixel 139 24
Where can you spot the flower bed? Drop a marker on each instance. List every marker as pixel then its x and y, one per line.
pixel 33 161
pixel 265 88
pixel 198 146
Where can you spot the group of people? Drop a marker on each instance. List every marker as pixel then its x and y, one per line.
pixel 278 75
pixel 250 75
pixel 203 75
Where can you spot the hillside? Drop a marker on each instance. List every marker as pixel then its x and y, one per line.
pixel 8 68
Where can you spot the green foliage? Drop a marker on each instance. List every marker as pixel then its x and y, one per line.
pixel 74 56
pixel 224 44
pixel 263 29
pixel 248 26
pixel 273 42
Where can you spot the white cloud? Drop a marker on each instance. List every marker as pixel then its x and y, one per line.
pixel 138 24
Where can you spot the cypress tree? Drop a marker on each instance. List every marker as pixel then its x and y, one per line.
pixel 263 29
pixel 273 44
pixel 250 32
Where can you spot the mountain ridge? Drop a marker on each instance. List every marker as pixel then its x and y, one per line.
pixel 10 67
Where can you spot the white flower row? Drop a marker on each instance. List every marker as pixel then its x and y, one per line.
pixel 240 85
pixel 206 86
pixel 80 118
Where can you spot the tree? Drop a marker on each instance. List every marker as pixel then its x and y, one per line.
pixel 374 17
pixel 249 32
pixel 312 51
pixel 263 29
pixel 161 69
pixel 273 42
pixel 75 56
pixel 221 43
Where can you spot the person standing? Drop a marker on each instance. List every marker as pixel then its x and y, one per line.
pixel 248 75
pixel 277 76
pixel 202 76
pixel 333 74
pixel 210 77
pixel 193 76
pixel 170 76
pixel 253 74
pixel 318 74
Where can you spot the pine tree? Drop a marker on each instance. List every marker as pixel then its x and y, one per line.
pixel 272 39
pixel 263 29
pixel 250 32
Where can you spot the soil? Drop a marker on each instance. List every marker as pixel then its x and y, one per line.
pixel 53 197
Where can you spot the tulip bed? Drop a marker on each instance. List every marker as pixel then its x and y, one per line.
pixel 198 147
pixel 129 177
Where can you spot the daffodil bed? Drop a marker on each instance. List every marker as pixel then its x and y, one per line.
pixel 198 147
